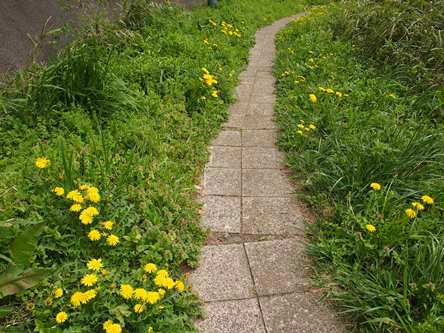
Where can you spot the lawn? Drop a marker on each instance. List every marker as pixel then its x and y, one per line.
pixel 365 139
pixel 101 151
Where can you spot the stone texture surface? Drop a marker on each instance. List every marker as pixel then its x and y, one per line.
pixel 222 214
pixel 265 183
pixel 274 216
pixel 223 274
pixel 259 138
pixel 225 157
pixel 298 313
pixel 254 278
pixel 261 158
pixel 278 266
pixel 222 181
pixel 228 138
pixel 241 316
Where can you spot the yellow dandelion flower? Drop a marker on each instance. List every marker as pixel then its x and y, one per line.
pixel 150 268
pixel 152 297
pixel 112 240
pixel 375 186
pixel 370 228
pixel 42 162
pixel 313 98
pixel 75 196
pixel 92 194
pixel 179 285
pixel 427 199
pixel 89 280
pixel 215 93
pixel 139 308
pixel 61 317
pixel 339 94
pixel 76 299
pixel 58 292
pixel 89 295
pixel 87 215
pixel 410 213
pixel 95 264
pixel 94 235
pixel 312 126
pixel 169 283
pixel 107 324
pixel 75 208
pixel 301 126
pixel 108 225
pixel 140 294
pixel 163 273
pixel 84 187
pixel 161 292
pixel 299 132
pixel 126 291
pixel 59 191
pixel 114 328
pixel 418 205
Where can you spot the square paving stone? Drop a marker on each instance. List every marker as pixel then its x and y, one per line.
pixel 223 274
pixel 261 158
pixel 251 121
pixel 241 316
pixel 225 157
pixel 234 121
pixel 219 181
pixel 261 138
pixel 265 183
pixel 264 109
pixel 228 138
pixel 298 313
pixel 222 214
pixel 278 266
pixel 271 216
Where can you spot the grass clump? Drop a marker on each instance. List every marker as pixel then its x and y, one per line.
pixel 372 163
pixel 102 150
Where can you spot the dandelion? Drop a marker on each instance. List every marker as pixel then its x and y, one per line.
pixel 163 273
pixel 84 187
pixel 179 285
pixel 89 280
pixel 94 235
pixel 75 196
pixel 139 308
pixel 95 264
pixel 370 228
pixel 299 132
pixel 92 194
pixel 42 162
pixel 59 191
pixel 107 324
pixel 89 295
pixel 375 186
pixel 168 283
pixel 87 215
pixel 215 93
pixel 161 292
pixel 126 291
pixel 427 199
pixel 108 225
pixel 418 205
pixel 58 292
pixel 329 91
pixel 114 328
pixel 301 126
pixel 61 317
pixel 313 98
pixel 152 297
pixel 312 126
pixel 150 268
pixel 410 213
pixel 75 208
pixel 339 94
pixel 112 240
pixel 76 299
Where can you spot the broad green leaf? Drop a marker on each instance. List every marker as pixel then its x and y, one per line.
pixel 22 248
pixel 12 281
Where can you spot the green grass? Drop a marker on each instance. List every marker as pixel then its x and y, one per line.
pixel 389 280
pixel 124 109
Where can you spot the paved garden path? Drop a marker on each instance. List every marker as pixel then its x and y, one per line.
pixel 253 274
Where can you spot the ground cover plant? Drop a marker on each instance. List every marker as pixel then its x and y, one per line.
pixel 371 159
pixel 100 154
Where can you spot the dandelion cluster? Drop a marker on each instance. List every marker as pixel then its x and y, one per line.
pixel 417 206
pixel 302 128
pixel 332 92
pixel 229 30
pixel 209 81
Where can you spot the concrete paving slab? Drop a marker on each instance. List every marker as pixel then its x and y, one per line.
pixel 222 214
pixel 223 274
pixel 241 316
pixel 265 183
pixel 278 266
pixel 225 157
pixel 228 138
pixel 261 158
pixel 271 216
pixel 222 181
pixel 259 138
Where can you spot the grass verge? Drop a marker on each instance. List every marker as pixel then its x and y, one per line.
pixel 99 157
pixel 372 163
